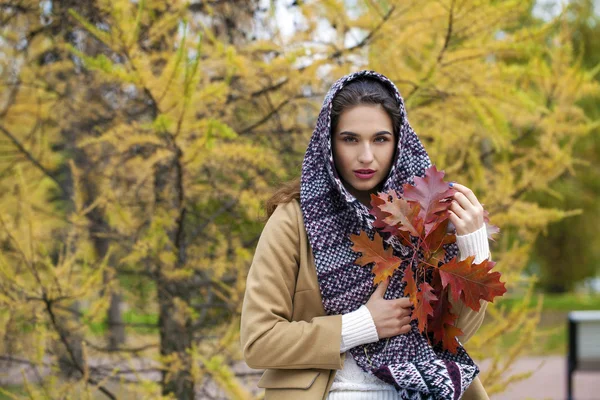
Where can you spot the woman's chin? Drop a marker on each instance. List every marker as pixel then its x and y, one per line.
pixel 363 189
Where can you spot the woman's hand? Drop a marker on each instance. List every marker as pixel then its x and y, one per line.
pixel 391 317
pixel 466 213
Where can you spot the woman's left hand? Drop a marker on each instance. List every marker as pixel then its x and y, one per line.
pixel 466 213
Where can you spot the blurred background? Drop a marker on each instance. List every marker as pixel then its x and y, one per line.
pixel 139 140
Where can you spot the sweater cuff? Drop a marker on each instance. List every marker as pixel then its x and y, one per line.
pixel 358 328
pixel 474 244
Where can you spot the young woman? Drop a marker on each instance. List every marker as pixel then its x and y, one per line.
pixel 311 317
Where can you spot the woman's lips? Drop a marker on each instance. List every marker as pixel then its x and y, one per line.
pixel 362 175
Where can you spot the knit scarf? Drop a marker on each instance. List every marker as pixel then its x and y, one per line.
pixel 331 214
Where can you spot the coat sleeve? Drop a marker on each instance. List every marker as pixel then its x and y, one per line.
pixel 468 321
pixel 269 338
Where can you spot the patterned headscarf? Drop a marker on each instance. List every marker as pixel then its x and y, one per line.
pixel 331 214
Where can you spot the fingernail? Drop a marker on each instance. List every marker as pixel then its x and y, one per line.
pixel 451 184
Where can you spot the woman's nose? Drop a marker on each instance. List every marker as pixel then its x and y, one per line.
pixel 366 155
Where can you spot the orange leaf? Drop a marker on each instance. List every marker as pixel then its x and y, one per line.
pixel 404 213
pixel 430 192
pixel 419 218
pixel 373 252
pixel 410 290
pixel 442 325
pixel 472 282
pixel 423 305
pixel 436 239
pixel 380 215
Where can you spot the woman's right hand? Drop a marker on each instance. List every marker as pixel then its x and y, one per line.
pixel 391 317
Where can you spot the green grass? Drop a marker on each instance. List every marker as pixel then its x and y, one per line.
pixel 130 317
pixel 553 321
pixel 553 341
pixel 16 390
pixel 561 302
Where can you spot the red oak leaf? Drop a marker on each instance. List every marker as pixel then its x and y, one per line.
pixel 410 290
pixel 472 282
pixel 380 216
pixel 373 252
pixel 404 237
pixel 434 241
pixel 442 324
pixel 419 218
pixel 449 335
pixel 490 229
pixel 404 213
pixel 376 201
pixel 423 307
pixel 431 193
pixel 438 217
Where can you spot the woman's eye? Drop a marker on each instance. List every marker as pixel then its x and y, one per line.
pixel 379 139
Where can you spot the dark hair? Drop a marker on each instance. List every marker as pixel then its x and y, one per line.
pixel 289 191
pixel 366 90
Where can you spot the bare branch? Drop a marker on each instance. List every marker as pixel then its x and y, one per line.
pixel 367 38
pixel 266 117
pixel 30 157
pixel 65 341
pixel 448 33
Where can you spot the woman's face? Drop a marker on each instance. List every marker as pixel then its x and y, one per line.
pixel 363 140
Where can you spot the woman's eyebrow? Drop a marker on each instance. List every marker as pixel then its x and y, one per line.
pixel 356 134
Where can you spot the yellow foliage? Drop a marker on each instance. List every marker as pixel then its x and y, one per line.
pixel 145 147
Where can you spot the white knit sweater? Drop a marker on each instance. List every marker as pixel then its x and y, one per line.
pixel 351 382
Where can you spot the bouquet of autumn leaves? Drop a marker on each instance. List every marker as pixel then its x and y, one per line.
pixel 420 220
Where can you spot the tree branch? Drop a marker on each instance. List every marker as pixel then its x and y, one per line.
pixel 30 157
pixel 65 342
pixel 266 117
pixel 367 38
pixel 448 33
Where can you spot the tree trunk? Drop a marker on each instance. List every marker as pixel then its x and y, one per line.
pixel 175 324
pixel 175 339
pixel 116 327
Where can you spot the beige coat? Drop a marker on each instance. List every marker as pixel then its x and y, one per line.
pixel 284 328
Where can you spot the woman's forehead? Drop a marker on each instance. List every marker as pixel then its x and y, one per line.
pixel 364 119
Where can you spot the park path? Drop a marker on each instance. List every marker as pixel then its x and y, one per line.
pixel 549 381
